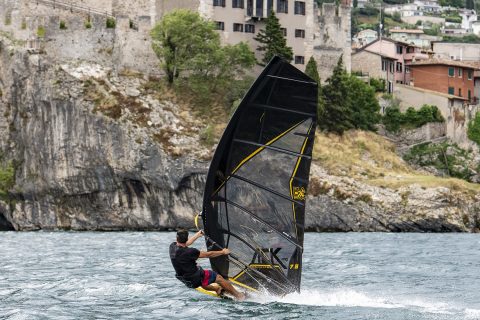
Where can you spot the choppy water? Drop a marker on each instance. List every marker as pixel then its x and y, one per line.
pixel 346 276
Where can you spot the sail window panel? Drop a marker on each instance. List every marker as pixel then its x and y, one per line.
pixel 271 247
pixel 240 154
pixel 287 94
pixel 274 209
pixel 285 131
pixel 243 253
pixel 270 163
pixel 293 140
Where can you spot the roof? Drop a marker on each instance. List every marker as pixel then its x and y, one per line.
pixel 406 31
pixel 453 63
pixel 376 53
pixel 449 96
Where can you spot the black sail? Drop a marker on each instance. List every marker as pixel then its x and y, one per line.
pixel 254 200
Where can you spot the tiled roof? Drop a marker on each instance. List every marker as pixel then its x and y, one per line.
pixel 453 63
pixel 406 31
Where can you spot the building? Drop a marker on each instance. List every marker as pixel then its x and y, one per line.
pixel 468 17
pixel 405 10
pixel 240 20
pixel 403 53
pixel 412 36
pixel 364 37
pixel 456 51
pixel 428 6
pixel 375 65
pixel 445 76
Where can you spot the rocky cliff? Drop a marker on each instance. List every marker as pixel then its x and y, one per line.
pixel 93 150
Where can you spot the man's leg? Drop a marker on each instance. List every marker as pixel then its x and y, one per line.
pixel 229 288
pixel 210 287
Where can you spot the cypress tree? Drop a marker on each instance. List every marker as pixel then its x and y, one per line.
pixel 311 70
pixel 272 42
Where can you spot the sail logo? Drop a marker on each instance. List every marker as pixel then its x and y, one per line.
pixel 299 193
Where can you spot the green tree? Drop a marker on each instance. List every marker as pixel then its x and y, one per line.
pixel 179 38
pixel 311 70
pixel 272 42
pixel 355 3
pixel 336 115
pixel 470 4
pixel 348 103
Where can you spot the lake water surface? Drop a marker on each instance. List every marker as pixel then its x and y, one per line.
pixel 68 275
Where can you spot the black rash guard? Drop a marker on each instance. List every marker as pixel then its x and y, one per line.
pixel 184 261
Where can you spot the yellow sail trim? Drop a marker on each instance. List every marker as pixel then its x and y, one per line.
pixel 242 284
pixel 293 176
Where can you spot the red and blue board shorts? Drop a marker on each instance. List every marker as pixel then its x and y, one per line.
pixel 209 277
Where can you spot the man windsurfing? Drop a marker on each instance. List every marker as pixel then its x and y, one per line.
pixel 185 265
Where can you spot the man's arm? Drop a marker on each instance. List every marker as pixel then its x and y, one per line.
pixel 213 254
pixel 194 238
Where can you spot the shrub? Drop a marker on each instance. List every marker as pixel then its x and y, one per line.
pixel 24 25
pixel 378 84
pixel 473 131
pixel 110 23
pixel 8 19
pixel 7 179
pixel 88 24
pixel 41 31
pixel 63 25
pixel 394 119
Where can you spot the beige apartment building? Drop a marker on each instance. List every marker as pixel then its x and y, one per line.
pixel 241 20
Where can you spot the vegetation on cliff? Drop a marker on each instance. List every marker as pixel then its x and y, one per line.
pixel 193 58
pixel 473 130
pixel 395 120
pixel 7 179
pixel 371 159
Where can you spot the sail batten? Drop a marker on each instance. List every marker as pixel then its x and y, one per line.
pixel 256 188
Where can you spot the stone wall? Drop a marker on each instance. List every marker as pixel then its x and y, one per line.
pixel 127 46
pixel 332 38
pixel 456 113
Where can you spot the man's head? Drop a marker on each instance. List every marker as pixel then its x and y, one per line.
pixel 182 236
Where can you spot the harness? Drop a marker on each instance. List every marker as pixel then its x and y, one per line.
pixel 193 280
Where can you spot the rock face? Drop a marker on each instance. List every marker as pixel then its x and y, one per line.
pixel 82 164
pixel 79 170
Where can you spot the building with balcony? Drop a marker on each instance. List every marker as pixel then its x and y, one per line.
pixel 375 65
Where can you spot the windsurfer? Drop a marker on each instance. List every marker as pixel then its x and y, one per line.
pixel 184 262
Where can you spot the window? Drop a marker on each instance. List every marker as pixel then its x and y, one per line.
pixel 269 7
pixel 284 31
pixel 299 33
pixel 399 67
pixel 451 90
pixel 460 72
pixel 249 8
pixel 451 71
pixel 219 3
pixel 259 9
pixel 219 25
pixel 237 27
pixel 410 49
pixel 392 67
pixel 238 4
pixel 299 7
pixel 250 28
pixel 282 6
pixel 384 65
pixel 399 49
pixel 407 69
pixel 469 74
pixel 299 60
pixel 459 92
pixel 469 94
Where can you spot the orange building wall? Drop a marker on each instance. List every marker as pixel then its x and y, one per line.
pixel 436 78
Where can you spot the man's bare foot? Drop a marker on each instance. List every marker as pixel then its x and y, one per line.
pixel 219 291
